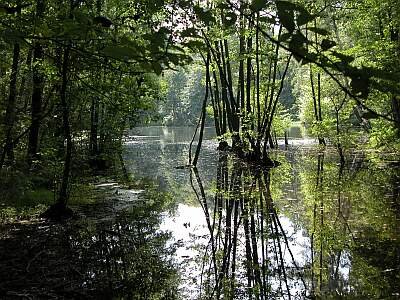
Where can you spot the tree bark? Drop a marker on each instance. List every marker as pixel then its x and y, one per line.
pixel 94 121
pixel 9 120
pixel 203 111
pixel 37 93
pixel 64 195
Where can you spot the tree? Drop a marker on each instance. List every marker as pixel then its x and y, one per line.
pixel 74 50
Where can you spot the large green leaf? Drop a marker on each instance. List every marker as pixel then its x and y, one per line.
pixel 318 30
pixel 286 36
pixel 204 15
pixel 189 32
pixel 285 11
pixel 360 86
pixel 327 44
pixel 12 36
pixel 303 16
pixel 343 57
pixel 257 5
pixel 120 52
pixel 156 67
pixel 229 19
pixel 195 44
pixel 297 45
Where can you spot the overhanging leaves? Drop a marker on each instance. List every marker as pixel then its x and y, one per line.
pixel 285 11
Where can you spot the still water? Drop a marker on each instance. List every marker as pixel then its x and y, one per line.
pixel 306 229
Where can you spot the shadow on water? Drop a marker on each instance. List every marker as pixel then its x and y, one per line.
pixel 108 253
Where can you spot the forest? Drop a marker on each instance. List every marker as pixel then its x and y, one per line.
pixel 215 149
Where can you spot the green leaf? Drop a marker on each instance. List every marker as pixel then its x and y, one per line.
pixel 318 30
pixel 156 67
pixel 369 115
pixel 286 5
pixel 222 5
pixel 360 86
pixel 257 5
pixel 189 32
pixel 310 57
pixel 299 38
pixel 343 57
pixel 72 28
pixel 267 19
pixel 204 15
pixel 229 19
pixel 185 3
pixel 174 59
pixel 195 44
pixel 12 36
pixel 297 45
pixel 177 48
pixel 284 37
pixel 327 44
pixel 120 52
pixel 303 16
pixel 286 14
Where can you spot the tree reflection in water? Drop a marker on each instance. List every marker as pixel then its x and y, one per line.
pixel 249 253
pixel 334 242
pixel 117 251
pixel 128 257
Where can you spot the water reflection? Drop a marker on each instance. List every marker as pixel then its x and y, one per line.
pixel 353 228
pixel 310 228
pixel 334 241
pixel 249 253
pixel 114 250
pixel 129 257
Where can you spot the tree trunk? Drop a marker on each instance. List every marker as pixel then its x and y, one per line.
pixel 9 120
pixel 63 195
pixel 396 113
pixel 94 121
pixel 203 111
pixel 248 76
pixel 37 93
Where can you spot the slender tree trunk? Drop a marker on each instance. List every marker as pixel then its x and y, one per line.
pixel 396 113
pixel 102 134
pixel 258 78
pixel 9 120
pixel 37 93
pixel 218 113
pixel 94 122
pixel 316 95
pixel 24 94
pixel 338 143
pixel 214 100
pixel 63 195
pixel 276 100
pixel 248 76
pixel 241 85
pixel 203 111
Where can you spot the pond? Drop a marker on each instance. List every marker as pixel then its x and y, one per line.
pixel 309 228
